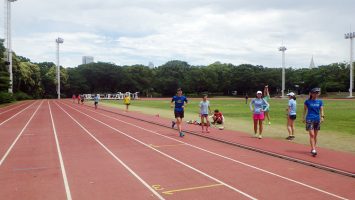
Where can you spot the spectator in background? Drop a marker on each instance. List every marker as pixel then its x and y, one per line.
pixel 291 115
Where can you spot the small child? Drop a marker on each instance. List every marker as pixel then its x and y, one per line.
pixel 218 118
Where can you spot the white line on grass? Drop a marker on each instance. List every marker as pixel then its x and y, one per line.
pixel 19 135
pixel 225 157
pixel 113 155
pixel 172 158
pixel 16 114
pixel 64 174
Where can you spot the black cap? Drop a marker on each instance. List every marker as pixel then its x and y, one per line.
pixel 315 90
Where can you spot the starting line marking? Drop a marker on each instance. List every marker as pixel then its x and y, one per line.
pixel 170 192
pixel 167 145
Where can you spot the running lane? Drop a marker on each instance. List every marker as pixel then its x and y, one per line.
pixel 170 177
pixel 31 169
pixel 12 126
pixel 274 178
pixel 91 171
pixel 14 110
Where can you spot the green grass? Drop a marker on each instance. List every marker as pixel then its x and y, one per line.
pixel 337 132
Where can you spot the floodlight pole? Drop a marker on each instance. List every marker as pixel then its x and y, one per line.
pixel 350 36
pixel 58 41
pixel 8 40
pixel 283 49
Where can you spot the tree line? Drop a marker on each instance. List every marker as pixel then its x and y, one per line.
pixel 38 80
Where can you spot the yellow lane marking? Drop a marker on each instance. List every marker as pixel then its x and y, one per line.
pixel 168 145
pixel 192 188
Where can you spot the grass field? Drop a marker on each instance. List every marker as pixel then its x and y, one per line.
pixel 337 132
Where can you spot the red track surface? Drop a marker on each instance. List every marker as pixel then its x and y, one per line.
pixel 108 156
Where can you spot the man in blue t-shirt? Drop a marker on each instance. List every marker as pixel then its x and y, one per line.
pixel 180 102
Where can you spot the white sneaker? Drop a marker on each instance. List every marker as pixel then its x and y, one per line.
pixel 269 123
pixel 260 136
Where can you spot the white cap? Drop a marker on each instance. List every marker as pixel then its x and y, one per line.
pixel 291 94
pixel 259 92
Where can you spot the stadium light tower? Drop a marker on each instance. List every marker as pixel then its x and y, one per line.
pixel 350 36
pixel 8 40
pixel 58 41
pixel 283 49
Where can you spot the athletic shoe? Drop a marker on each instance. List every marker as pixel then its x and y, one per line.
pixel 289 138
pixel 314 152
pixel 182 134
pixel 173 124
pixel 255 135
pixel 269 123
pixel 292 137
pixel 260 136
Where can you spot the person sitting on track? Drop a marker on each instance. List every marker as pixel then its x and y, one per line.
pixel 218 118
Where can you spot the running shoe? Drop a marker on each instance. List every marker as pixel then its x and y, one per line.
pixel 269 123
pixel 260 136
pixel 289 138
pixel 173 124
pixel 314 152
pixel 292 137
pixel 182 134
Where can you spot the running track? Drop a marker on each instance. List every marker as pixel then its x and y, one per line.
pixel 52 149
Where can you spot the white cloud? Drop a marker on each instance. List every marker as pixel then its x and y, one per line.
pixel 197 31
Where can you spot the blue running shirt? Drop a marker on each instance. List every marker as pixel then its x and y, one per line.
pixel 313 107
pixel 179 102
pixel 293 105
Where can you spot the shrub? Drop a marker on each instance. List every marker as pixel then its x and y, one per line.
pixel 6 97
pixel 21 96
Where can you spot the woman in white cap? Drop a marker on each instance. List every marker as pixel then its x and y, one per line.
pixel 291 115
pixel 260 105
pixel 313 116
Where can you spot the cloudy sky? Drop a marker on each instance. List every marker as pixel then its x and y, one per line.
pixel 200 32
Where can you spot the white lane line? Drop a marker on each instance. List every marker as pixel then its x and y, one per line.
pixel 172 158
pixel 19 135
pixel 16 114
pixel 13 108
pixel 225 157
pixel 114 156
pixel 64 174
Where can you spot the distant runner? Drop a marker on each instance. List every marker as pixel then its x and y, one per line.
pixel 180 102
pixel 96 100
pixel 127 101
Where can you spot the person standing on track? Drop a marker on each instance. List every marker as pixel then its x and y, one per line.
pixel 96 100
pixel 267 99
pixel 180 103
pixel 258 112
pixel 204 111
pixel 246 98
pixel 82 97
pixel 73 97
pixel 313 116
pixel 79 98
pixel 291 115
pixel 127 101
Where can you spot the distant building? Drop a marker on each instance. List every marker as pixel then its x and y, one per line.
pixel 311 65
pixel 88 59
pixel 151 65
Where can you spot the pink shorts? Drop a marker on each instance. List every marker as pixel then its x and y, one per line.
pixel 259 116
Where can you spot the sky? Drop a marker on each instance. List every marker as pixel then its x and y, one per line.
pixel 200 32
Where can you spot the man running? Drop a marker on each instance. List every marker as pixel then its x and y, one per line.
pixel 180 102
